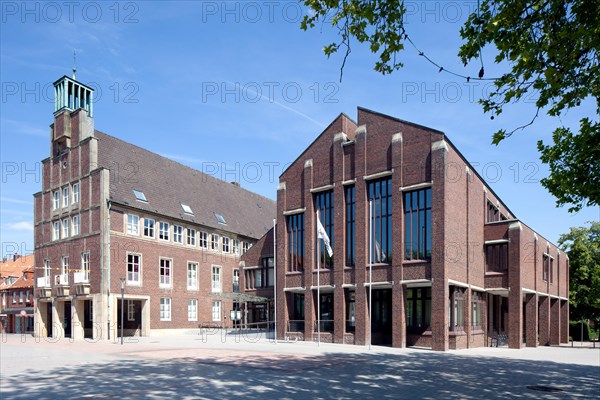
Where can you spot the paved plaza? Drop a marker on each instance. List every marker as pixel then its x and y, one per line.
pixel 225 366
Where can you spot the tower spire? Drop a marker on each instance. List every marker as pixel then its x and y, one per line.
pixel 74 64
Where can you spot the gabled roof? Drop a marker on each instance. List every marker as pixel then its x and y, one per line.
pixel 16 268
pixel 168 184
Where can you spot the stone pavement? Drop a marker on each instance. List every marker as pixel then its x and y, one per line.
pixel 224 366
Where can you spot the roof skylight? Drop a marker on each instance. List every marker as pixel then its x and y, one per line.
pixel 187 209
pixel 139 195
pixel 220 219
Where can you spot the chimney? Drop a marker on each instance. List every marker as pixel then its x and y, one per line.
pixel 236 184
pixel 16 256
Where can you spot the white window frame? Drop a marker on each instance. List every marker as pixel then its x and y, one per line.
pixel 56 199
pixel 75 225
pixel 66 227
pixel 225 245
pixel 166 279
pixel 192 275
pixel 147 227
pixel 163 231
pixel 214 242
pixel 85 265
pixel 236 247
pixel 245 247
pixel 75 194
pixel 21 296
pixel 178 234
pixel 165 308
pixel 47 269
pixel 133 274
pixel 133 224
pixel 66 196
pixel 191 237
pixel 56 228
pixel 216 279
pixel 216 310
pixel 64 268
pixel 14 296
pixel 203 240
pixel 192 310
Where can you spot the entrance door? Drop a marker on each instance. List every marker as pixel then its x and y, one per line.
pixel 67 319
pixel 381 323
pixel 88 326
pixel 49 319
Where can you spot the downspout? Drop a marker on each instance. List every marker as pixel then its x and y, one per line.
pixel 108 262
pixel 275 275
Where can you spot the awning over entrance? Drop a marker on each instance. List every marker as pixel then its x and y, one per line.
pixel 240 297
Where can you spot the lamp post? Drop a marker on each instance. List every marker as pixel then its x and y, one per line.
pixel 122 305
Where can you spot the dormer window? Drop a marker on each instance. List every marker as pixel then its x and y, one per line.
pixel 139 195
pixel 187 209
pixel 220 219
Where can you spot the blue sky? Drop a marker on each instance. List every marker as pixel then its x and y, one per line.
pixel 238 90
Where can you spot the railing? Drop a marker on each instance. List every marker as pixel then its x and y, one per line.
pixel 326 325
pixel 81 277
pixel 296 325
pixel 62 279
pixel 43 282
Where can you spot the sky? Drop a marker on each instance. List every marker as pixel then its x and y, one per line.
pixel 236 89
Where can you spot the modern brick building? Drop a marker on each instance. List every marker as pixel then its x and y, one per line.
pixel 111 214
pixel 16 294
pixel 452 266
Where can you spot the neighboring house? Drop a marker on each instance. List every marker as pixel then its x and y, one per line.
pixel 452 266
pixel 16 294
pixel 111 213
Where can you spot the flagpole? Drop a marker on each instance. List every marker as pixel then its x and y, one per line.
pixel 275 279
pixel 318 285
pixel 370 270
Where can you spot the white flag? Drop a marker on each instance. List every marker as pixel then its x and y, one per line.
pixel 322 234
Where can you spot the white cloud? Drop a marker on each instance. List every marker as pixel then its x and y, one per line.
pixel 20 226
pixel 16 201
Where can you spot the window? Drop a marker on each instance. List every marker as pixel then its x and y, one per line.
pixel 165 272
pixel 236 246
pixel 236 280
pixel 326 308
pixel 456 307
pixel 350 225
pixel 203 239
pixel 64 270
pixel 149 227
pixel 56 230
pixel 133 224
pixel 66 198
pixel 192 310
pixel 225 244
pixel 350 311
pixel 163 231
pixel 380 193
pixel 65 226
pixel 216 310
pixel 47 271
pixel 187 209
pixel 165 309
pixel 75 193
pixel 191 237
pixel 130 310
pixel 220 219
pixel 134 268
pixel 192 276
pixel 264 276
pixel 21 296
pixel 139 195
pixel 27 296
pixel 214 241
pixel 56 200
pixel 493 214
pixel 177 234
pixel 551 270
pixel 324 204
pixel 216 279
pixel 14 295
pixel 418 309
pixel 417 225
pixel 245 247
pixel 496 257
pixel 295 228
pixel 477 309
pixel 85 266
pixel 75 227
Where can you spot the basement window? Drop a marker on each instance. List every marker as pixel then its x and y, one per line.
pixel 220 219
pixel 139 195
